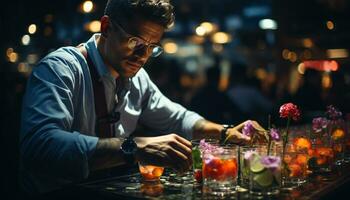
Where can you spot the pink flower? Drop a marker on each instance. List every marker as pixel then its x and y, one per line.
pixel 275 135
pixel 290 110
pixel 319 124
pixel 333 112
pixel 248 155
pixel 271 162
pixel 208 149
pixel 248 128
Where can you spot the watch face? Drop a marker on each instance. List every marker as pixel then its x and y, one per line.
pixel 129 146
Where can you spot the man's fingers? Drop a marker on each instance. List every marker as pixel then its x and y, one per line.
pixel 237 137
pixel 187 152
pixel 183 141
pixel 240 126
pixel 257 126
pixel 179 160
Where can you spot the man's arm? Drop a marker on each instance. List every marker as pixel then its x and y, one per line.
pixel 107 154
pixel 48 145
pixel 169 150
pixel 207 129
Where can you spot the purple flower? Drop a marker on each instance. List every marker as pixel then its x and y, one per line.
pixel 248 128
pixel 208 149
pixel 271 162
pixel 319 124
pixel 333 113
pixel 275 135
pixel 248 155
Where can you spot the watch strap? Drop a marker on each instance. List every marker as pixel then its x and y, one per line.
pixel 223 132
pixel 129 148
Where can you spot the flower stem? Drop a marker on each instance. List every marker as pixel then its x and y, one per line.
pixel 285 137
pixel 269 142
pixel 269 146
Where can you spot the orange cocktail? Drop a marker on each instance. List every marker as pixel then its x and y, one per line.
pixel 296 158
pixel 323 158
pixel 150 172
pixel 338 143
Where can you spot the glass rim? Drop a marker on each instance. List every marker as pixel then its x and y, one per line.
pixel 210 141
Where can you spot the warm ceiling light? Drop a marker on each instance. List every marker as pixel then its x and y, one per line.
pixel 13 57
pixel 221 38
pixel 208 27
pixel 170 47
pixel 32 29
pixel 200 31
pixel 307 42
pixel 337 53
pixel 330 25
pixel 25 40
pixel 94 26
pixel 301 68
pixel 88 6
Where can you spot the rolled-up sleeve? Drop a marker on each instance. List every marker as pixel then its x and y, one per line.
pixel 163 115
pixel 48 145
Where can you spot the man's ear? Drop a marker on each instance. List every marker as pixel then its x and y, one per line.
pixel 104 26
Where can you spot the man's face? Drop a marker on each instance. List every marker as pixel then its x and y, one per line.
pixel 129 45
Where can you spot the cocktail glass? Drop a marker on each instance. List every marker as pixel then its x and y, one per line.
pixel 244 167
pixel 150 172
pixel 337 138
pixel 264 173
pixel 220 170
pixel 295 162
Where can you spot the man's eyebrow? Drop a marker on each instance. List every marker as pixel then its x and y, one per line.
pixel 137 33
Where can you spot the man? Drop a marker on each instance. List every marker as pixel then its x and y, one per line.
pixel 64 136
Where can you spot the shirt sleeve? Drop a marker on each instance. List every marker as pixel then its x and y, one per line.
pixel 165 116
pixel 48 145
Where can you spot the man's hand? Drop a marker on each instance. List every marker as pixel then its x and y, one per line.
pixel 168 151
pixel 235 135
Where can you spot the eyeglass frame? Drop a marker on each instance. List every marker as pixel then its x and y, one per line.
pixel 144 43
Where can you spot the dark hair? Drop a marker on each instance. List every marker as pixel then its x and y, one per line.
pixel 159 11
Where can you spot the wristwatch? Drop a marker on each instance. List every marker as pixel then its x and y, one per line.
pixel 224 132
pixel 129 149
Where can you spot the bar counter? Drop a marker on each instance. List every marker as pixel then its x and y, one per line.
pixel 335 185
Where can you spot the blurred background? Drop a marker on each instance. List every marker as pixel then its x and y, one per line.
pixel 229 60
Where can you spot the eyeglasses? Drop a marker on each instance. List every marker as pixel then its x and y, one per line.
pixel 137 43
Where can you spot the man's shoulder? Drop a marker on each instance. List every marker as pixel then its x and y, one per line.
pixel 68 54
pixel 62 59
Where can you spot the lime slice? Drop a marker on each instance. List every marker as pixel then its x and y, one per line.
pixel 256 166
pixel 264 179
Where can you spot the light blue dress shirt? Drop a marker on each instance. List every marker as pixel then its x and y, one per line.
pixel 58 116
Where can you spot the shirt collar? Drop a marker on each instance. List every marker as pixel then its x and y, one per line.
pixel 102 69
pixel 91 47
